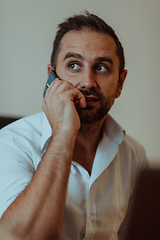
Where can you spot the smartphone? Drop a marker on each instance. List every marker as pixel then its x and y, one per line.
pixel 52 76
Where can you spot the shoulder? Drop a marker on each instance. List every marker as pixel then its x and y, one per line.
pixel 21 139
pixel 133 146
pixel 133 154
pixel 24 126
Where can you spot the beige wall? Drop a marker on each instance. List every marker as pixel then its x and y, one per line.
pixel 27 29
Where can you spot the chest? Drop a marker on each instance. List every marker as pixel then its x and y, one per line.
pixel 95 208
pixel 85 159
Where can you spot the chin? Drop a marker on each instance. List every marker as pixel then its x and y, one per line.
pixel 89 115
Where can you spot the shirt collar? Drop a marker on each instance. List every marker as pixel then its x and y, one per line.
pixel 111 128
pixel 46 133
pixel 107 149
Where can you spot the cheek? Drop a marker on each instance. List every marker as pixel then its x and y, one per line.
pixel 63 74
pixel 109 88
pixel 60 68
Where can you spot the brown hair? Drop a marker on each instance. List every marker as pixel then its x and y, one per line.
pixel 92 22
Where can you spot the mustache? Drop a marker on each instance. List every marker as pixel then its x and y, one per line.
pixel 89 92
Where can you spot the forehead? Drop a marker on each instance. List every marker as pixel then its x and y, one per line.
pixel 89 44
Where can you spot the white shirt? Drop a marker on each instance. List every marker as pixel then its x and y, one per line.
pixel 96 205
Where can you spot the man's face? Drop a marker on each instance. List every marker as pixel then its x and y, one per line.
pixel 88 60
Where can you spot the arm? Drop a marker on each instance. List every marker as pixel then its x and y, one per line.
pixel 37 213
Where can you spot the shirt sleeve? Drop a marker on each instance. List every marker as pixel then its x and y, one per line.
pixel 16 169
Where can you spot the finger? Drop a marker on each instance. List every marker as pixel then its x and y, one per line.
pixel 53 86
pixel 77 97
pixel 65 86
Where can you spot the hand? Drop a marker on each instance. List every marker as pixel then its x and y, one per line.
pixel 59 106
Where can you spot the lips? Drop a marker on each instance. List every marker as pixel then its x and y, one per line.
pixel 91 98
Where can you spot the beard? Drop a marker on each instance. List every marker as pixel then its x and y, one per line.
pixel 90 115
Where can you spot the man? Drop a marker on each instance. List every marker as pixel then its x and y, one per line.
pixel 69 172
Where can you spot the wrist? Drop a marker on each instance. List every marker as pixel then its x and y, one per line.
pixel 63 142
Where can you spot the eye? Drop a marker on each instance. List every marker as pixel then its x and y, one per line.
pixel 74 66
pixel 102 68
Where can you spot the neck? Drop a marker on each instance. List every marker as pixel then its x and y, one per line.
pixel 88 129
pixel 89 136
pixel 86 144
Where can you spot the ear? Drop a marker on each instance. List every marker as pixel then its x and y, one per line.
pixel 49 68
pixel 121 82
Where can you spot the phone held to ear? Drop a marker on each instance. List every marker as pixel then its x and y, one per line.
pixel 52 76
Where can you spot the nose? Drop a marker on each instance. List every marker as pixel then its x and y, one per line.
pixel 88 79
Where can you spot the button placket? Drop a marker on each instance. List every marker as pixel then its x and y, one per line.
pixel 91 214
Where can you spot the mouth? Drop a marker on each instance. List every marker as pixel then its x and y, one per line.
pixel 91 100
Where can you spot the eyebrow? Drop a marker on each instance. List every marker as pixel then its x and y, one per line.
pixel 104 59
pixel 80 57
pixel 73 55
